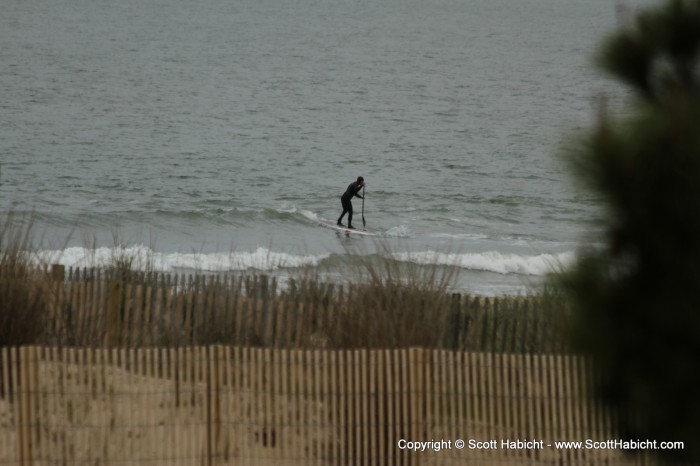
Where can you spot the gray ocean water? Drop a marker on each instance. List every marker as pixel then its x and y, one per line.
pixel 216 134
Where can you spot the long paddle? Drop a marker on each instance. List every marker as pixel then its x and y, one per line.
pixel 364 224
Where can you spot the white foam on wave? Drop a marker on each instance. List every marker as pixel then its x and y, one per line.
pixel 401 231
pixel 459 236
pixel 492 261
pixel 288 208
pixel 142 257
pixel 310 215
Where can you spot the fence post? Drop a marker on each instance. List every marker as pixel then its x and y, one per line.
pixel 484 312
pixel 261 297
pixel 511 328
pixel 495 311
pixel 416 392
pixel 58 274
pixel 454 328
pixel 113 335
pixel 525 327
pixel 27 360
pixel 189 300
pixel 211 382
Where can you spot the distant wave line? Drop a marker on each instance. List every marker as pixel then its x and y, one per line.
pixel 264 259
pixel 493 261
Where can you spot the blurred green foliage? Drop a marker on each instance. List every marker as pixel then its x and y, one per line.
pixel 636 300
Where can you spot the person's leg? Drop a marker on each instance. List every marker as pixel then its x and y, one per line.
pixel 345 209
pixel 349 207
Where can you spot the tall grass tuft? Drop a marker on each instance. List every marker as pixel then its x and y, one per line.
pixel 399 304
pixel 23 303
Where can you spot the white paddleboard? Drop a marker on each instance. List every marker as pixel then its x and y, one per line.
pixel 348 231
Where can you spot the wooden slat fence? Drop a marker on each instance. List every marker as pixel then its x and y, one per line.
pixel 222 405
pixel 93 308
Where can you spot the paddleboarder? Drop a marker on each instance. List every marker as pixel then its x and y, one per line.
pixel 352 191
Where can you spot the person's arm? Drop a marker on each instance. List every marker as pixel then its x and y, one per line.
pixel 357 191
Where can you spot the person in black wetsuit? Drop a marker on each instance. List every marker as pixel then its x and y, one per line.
pixel 345 199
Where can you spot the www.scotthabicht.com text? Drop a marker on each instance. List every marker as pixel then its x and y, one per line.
pixel 620 445
pixel 532 444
